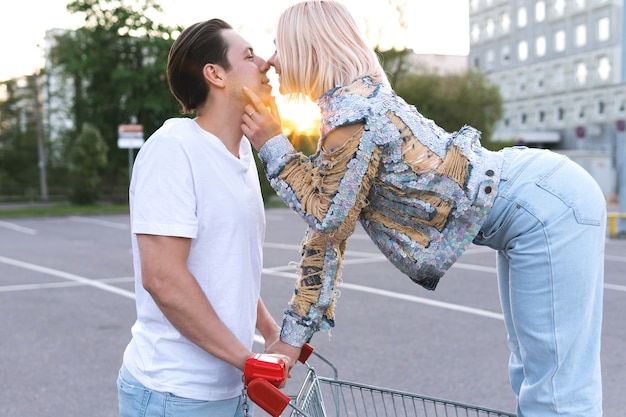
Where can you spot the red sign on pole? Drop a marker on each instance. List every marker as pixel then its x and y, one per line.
pixel 130 136
pixel 580 132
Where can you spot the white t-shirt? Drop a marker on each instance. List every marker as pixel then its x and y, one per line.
pixel 185 183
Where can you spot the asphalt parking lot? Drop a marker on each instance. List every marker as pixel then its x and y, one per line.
pixel 67 305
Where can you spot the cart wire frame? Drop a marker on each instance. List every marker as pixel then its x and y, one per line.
pixel 321 396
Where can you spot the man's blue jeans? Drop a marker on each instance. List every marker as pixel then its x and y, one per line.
pixel 135 400
pixel 548 225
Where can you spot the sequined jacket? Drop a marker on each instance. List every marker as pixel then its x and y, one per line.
pixel 419 192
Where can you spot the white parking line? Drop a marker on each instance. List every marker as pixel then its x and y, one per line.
pixel 276 271
pixel 64 284
pixel 296 248
pixel 282 246
pixel 615 287
pixel 399 296
pixel 615 258
pixel 421 300
pixel 18 228
pixel 68 276
pixel 472 267
pixel 99 222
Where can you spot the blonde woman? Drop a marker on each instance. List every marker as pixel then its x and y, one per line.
pixel 424 195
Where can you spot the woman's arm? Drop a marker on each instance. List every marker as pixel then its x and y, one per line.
pixel 328 191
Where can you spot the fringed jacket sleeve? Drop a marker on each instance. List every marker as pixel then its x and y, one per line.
pixel 328 190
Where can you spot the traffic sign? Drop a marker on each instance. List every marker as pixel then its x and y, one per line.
pixel 130 136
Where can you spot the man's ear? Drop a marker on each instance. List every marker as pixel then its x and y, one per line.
pixel 214 75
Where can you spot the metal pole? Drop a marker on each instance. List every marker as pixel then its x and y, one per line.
pixel 130 164
pixel 43 182
pixel 621 180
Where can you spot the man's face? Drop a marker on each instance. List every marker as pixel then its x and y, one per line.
pixel 246 68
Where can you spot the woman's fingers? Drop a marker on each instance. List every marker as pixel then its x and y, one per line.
pixel 257 103
pixel 274 108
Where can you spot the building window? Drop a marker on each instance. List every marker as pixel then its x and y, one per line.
pixel 541 116
pixel 504 87
pixel 581 73
pixel 540 46
pixel 540 11
pixel 522 119
pixel 506 23
pixel 558 77
pixel 539 77
pixel 476 62
pixel 581 35
pixel 475 32
pixel 474 4
pixel 580 4
pixel 489 28
pixel 559 7
pixel 559 41
pixel 601 107
pixel 581 111
pixel 560 114
pixel 505 56
pixel 490 58
pixel 604 68
pixel 522 18
pixel 522 50
pixel 604 30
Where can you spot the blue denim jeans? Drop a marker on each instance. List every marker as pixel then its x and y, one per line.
pixel 135 400
pixel 548 225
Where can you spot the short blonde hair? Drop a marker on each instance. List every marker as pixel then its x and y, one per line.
pixel 320 46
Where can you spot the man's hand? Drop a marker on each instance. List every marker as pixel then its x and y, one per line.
pixel 259 123
pixel 273 368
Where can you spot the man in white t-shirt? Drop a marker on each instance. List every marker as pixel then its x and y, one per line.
pixel 198 226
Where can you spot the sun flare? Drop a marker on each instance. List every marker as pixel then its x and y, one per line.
pixel 302 118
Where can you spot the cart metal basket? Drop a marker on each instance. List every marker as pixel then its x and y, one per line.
pixel 322 396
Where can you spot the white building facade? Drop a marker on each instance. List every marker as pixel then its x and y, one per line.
pixel 560 68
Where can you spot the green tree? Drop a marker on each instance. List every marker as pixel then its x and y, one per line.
pixel 395 62
pixel 453 101
pixel 115 66
pixel 19 175
pixel 87 158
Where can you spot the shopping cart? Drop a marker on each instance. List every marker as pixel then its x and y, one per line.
pixel 322 396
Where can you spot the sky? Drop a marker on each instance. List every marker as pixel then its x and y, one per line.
pixel 434 26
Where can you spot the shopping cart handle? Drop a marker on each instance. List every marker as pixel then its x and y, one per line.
pixel 305 352
pixel 265 366
pixel 267 396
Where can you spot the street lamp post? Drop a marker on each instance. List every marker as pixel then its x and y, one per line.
pixel 43 182
pixel 621 179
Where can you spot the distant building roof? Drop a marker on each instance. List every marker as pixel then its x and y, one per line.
pixel 441 64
